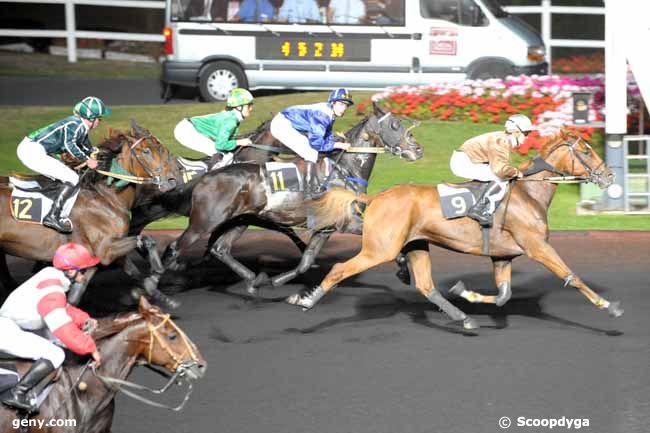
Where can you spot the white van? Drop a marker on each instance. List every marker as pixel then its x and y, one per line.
pixel 217 45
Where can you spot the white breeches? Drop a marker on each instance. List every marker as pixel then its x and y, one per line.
pixel 282 130
pixel 189 137
pixel 34 156
pixel 462 166
pixel 28 345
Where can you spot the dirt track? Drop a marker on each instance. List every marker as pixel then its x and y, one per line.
pixel 376 357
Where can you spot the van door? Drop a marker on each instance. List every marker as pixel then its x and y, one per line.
pixel 455 34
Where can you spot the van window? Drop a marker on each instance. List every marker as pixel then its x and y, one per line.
pixel 461 12
pixel 335 12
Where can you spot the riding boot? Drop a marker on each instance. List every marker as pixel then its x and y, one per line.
pixel 312 187
pixel 53 218
pixel 20 396
pixel 481 210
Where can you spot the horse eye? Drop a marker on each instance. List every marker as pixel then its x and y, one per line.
pixel 172 336
pixel 147 151
pixel 394 125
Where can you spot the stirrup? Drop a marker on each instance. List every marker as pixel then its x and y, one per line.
pixel 24 402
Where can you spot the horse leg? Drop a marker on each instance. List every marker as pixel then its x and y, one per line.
pixel 403 273
pixel 287 231
pixel 502 278
pixel 112 249
pixel 545 254
pixel 365 260
pixel 221 251
pixel 308 258
pixel 421 267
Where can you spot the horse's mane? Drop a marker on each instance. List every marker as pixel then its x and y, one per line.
pixel 259 131
pixel 111 325
pixel 355 131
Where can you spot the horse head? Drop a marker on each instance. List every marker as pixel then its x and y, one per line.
pixel 162 343
pixel 142 155
pixel 571 155
pixel 390 132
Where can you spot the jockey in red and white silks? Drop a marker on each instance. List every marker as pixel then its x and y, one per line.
pixel 40 306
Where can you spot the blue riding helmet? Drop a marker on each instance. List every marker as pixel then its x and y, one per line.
pixel 340 94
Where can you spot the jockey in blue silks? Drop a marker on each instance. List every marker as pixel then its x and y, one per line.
pixel 307 130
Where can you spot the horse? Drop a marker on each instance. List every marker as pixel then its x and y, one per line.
pixel 101 215
pixel 87 395
pixel 411 216
pixel 223 201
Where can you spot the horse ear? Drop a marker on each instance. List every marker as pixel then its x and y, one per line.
pixel 146 309
pixel 376 109
pixel 137 129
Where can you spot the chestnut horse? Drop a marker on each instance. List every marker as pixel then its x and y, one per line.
pixel 87 395
pixel 101 215
pixel 224 201
pixel 412 213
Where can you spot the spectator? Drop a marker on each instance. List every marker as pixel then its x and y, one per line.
pixel 386 12
pixel 346 11
pixel 299 11
pixel 254 11
pixel 215 10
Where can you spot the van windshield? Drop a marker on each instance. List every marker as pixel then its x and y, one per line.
pixel 331 12
pixel 495 8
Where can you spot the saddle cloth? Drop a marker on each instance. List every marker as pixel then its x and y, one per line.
pixel 457 198
pixel 31 200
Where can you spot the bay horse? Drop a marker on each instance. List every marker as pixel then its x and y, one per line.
pixel 87 395
pixel 411 214
pixel 223 201
pixel 101 215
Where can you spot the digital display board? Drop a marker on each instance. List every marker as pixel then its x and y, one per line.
pixel 334 49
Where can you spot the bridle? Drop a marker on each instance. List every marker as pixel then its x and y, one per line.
pixel 594 175
pixel 179 368
pixel 397 150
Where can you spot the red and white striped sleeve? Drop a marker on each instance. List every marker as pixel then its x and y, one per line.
pixel 52 308
pixel 79 317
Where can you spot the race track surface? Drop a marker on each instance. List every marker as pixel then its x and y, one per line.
pixel 376 357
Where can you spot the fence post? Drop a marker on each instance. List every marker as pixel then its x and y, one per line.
pixel 546 31
pixel 70 28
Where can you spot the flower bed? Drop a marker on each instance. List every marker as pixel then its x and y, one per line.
pixel 547 100
pixel 594 63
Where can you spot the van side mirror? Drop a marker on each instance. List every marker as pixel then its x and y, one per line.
pixel 417 36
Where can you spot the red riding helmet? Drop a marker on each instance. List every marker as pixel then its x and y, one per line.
pixel 73 256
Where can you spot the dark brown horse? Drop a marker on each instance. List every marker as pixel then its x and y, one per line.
pixel 87 396
pixel 101 215
pixel 412 213
pixel 225 201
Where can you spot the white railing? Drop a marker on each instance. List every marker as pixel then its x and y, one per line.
pixel 72 34
pixel 547 10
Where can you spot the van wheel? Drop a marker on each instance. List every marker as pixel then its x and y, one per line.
pixel 218 79
pixel 485 71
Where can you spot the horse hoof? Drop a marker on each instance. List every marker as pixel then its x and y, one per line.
pixel 469 323
pixel 614 309
pixel 458 289
pixel 293 299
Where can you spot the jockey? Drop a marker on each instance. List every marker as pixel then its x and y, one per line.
pixel 485 158
pixel 307 130
pixel 217 132
pixel 70 135
pixel 39 305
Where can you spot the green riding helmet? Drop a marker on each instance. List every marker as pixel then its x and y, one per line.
pixel 92 108
pixel 239 97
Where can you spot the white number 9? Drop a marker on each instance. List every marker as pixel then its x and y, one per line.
pixel 459 204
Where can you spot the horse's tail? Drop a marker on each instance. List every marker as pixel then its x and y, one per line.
pixel 337 207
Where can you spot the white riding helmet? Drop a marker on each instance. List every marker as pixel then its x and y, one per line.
pixel 518 122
